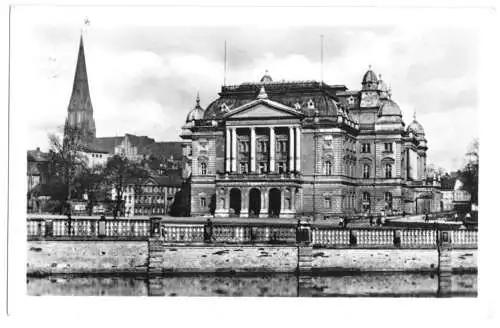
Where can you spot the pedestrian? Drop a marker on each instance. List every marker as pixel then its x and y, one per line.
pixel 456 217
pixel 371 220
pixel 426 217
pixel 341 223
pixel 467 219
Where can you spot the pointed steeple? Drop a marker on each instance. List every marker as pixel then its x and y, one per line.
pixel 198 99
pixel 80 111
pixel 80 96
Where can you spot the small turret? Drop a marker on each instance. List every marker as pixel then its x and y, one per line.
pixel 370 81
pixel 197 112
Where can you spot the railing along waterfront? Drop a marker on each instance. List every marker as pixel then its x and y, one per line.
pixel 88 228
pixel 186 233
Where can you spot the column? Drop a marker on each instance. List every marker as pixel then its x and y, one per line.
pixel 282 202
pixel 233 149
pixel 291 139
pixel 272 143
pixel 263 203
pixel 244 202
pixel 298 157
pixel 292 200
pixel 228 150
pixel 252 149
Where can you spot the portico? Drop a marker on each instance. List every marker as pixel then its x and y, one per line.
pixel 262 160
pixel 268 150
pixel 257 201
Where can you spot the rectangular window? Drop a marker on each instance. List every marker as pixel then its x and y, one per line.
pixel 366 171
pixel 243 167
pixel 282 146
pixel 388 147
pixel 328 168
pixel 203 202
pixel 328 202
pixel 365 148
pixel 281 167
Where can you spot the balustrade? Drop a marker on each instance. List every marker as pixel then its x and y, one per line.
pixel 240 234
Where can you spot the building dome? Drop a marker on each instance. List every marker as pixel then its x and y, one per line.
pixel 266 78
pixel 197 112
pixel 389 116
pixel 389 108
pixel 416 128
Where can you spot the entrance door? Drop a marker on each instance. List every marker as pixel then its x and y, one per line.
pixel 423 205
pixel 234 202
pixel 254 203
pixel 274 203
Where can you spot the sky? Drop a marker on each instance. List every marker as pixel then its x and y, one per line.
pixel 144 73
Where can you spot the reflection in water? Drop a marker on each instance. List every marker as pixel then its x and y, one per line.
pixel 350 285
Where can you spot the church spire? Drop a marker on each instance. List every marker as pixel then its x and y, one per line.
pixel 80 111
pixel 80 96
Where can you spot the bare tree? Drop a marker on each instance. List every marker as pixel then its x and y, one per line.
pixel 117 175
pixel 66 159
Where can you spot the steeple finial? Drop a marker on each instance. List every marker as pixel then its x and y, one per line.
pixel 198 98
pixel 370 67
pixel 86 23
pixel 414 114
pixel 262 93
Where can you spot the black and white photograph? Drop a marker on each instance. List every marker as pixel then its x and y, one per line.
pixel 246 152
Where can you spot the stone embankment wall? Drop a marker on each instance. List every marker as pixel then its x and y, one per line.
pixel 226 258
pixel 87 257
pixel 47 257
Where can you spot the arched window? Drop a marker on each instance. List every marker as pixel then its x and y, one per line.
pixel 388 171
pixel 328 167
pixel 366 171
pixel 203 168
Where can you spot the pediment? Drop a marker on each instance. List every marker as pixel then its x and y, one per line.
pixel 263 109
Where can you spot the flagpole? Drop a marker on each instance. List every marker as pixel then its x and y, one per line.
pixel 225 61
pixel 321 59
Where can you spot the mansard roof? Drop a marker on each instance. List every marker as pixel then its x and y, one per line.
pixel 296 94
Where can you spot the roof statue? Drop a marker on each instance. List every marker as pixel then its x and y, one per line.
pixel 266 78
pixel 262 93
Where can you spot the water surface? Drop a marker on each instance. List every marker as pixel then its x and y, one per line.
pixel 284 285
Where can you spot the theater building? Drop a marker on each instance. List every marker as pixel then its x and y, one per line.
pixel 286 149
